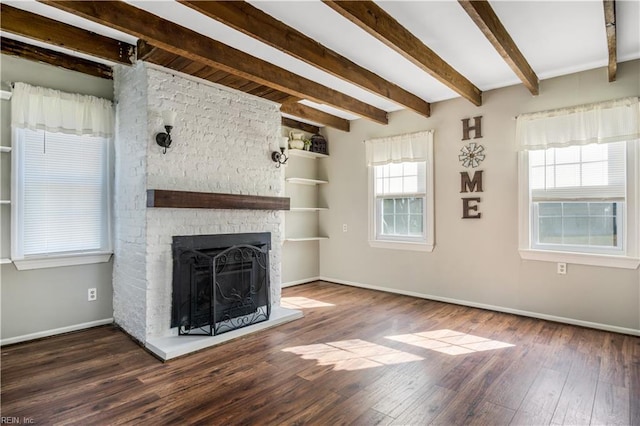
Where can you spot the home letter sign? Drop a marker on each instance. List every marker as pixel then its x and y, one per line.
pixel 471 185
pixel 477 128
pixel 467 208
pixel 471 155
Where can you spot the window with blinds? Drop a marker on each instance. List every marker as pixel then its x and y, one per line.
pixel 62 192
pixel 578 196
pixel 400 201
pixel 579 192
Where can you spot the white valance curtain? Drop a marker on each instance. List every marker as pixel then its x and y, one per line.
pixel 604 122
pixel 39 108
pixel 409 147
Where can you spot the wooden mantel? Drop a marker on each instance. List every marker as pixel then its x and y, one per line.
pixel 210 200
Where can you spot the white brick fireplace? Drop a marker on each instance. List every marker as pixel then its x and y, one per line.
pixel 222 141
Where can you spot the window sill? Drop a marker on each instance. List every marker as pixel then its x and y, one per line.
pixel 397 245
pixel 581 258
pixel 61 260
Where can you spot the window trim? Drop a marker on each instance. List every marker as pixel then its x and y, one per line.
pixel 611 261
pixel 54 261
pixel 630 256
pixel 410 243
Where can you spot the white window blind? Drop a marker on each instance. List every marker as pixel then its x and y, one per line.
pixel 64 195
pixel 595 172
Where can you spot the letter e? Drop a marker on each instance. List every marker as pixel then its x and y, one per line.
pixel 467 208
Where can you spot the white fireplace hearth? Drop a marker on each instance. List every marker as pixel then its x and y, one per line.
pixel 170 347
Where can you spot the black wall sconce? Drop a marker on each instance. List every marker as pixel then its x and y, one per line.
pixel 279 157
pixel 164 139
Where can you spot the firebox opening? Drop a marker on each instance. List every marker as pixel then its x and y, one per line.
pixel 220 282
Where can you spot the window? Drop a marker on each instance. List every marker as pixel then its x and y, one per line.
pixel 579 201
pixel 401 192
pixel 578 198
pixel 400 201
pixel 60 196
pixel 62 192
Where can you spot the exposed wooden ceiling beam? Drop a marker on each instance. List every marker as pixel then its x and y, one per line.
pixel 73 63
pixel 36 27
pixel 610 25
pixel 166 59
pixel 145 50
pixel 295 124
pixel 190 44
pixel 312 114
pixel 257 24
pixel 481 12
pixel 373 19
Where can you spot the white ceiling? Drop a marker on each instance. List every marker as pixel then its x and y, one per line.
pixel 556 37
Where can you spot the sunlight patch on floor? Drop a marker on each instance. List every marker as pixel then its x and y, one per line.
pixel 450 342
pixel 353 354
pixel 302 303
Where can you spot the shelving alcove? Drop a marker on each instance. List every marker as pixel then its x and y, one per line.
pixel 301 222
pixel 5 204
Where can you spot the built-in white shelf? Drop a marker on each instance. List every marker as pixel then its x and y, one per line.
pixel 305 181
pixel 307 154
pixel 6 96
pixel 306 239
pixel 307 209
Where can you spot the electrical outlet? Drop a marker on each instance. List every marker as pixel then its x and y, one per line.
pixel 344 227
pixel 92 294
pixel 562 268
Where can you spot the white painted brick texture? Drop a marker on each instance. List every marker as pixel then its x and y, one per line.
pixel 222 142
pixel 129 266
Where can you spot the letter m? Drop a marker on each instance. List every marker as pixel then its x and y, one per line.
pixel 471 185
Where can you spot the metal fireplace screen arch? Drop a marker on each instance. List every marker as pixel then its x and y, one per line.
pixel 219 289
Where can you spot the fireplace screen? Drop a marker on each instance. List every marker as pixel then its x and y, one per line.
pixel 220 287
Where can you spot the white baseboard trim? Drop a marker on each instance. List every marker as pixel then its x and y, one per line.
pixel 55 331
pixel 588 324
pixel 298 282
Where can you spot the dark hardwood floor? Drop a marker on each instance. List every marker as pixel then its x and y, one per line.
pixel 364 358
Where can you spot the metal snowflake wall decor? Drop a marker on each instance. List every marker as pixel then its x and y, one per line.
pixel 472 155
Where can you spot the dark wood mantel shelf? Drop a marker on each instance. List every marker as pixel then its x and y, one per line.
pixel 211 200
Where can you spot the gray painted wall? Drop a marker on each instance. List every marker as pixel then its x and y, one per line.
pixel 475 260
pixel 45 299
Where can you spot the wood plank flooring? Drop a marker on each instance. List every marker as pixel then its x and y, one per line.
pixel 367 358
